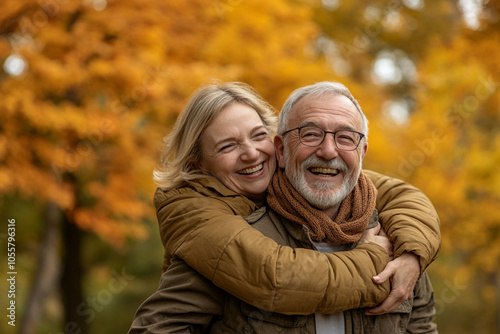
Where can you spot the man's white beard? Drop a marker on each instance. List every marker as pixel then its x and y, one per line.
pixel 320 193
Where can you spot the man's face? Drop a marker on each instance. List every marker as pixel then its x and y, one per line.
pixel 323 175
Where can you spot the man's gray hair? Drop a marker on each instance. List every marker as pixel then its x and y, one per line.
pixel 315 91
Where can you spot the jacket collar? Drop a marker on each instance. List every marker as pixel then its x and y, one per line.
pixel 213 184
pixel 297 231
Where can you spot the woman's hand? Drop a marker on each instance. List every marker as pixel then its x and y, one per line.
pixel 378 236
pixel 403 272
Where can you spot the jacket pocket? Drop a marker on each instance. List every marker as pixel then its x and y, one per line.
pixel 395 322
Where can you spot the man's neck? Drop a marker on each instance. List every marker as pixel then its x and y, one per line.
pixel 332 211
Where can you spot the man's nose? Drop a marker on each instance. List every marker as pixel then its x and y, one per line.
pixel 328 149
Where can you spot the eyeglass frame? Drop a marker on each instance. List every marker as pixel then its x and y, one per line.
pixel 334 133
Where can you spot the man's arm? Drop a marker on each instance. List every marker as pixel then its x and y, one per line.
pixel 185 302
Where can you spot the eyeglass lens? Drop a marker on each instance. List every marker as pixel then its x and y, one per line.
pixel 344 139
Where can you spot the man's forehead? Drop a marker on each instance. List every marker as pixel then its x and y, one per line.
pixel 329 105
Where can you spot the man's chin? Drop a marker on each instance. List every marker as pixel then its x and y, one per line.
pixel 324 187
pixel 322 198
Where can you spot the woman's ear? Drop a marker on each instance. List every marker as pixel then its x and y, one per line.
pixel 279 147
pixel 197 164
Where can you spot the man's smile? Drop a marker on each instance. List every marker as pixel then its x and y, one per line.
pixel 322 171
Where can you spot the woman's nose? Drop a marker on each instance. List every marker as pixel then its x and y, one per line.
pixel 250 152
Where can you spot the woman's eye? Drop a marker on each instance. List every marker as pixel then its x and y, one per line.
pixel 261 135
pixel 226 148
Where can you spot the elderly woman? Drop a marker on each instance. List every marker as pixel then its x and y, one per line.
pixel 217 164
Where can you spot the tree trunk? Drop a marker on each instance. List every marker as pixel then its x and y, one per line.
pixel 497 277
pixel 71 281
pixel 47 272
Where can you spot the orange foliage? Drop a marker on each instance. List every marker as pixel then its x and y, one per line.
pixel 83 124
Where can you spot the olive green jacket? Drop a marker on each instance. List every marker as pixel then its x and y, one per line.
pixel 201 224
pixel 186 302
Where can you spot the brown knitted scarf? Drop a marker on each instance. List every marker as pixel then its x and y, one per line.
pixel 351 221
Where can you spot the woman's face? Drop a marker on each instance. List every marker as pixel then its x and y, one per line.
pixel 236 149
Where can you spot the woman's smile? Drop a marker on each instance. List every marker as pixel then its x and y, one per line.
pixel 237 149
pixel 251 170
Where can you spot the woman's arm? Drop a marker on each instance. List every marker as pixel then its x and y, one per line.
pixel 408 217
pixel 205 232
pixel 412 224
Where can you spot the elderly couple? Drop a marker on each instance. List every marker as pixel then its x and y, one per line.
pixel 310 255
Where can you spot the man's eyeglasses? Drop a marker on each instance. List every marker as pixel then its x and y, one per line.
pixel 311 135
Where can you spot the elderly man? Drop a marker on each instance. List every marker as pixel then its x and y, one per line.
pixel 320 148
pixel 319 199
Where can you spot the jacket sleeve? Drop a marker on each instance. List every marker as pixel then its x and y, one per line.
pixel 185 302
pixel 408 217
pixel 225 249
pixel 424 308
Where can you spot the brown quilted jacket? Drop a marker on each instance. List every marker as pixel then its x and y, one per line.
pixel 201 223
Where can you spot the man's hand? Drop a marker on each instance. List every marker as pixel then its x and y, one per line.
pixel 403 272
pixel 377 235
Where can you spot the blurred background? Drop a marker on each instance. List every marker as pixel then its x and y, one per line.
pixel 88 89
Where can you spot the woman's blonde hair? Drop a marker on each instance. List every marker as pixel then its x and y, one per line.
pixel 181 154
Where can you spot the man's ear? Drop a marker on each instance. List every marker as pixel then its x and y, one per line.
pixel 364 149
pixel 279 147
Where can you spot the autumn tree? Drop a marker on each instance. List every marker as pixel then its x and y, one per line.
pixel 89 89
pixel 458 157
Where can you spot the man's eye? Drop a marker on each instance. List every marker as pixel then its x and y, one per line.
pixel 345 138
pixel 311 135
